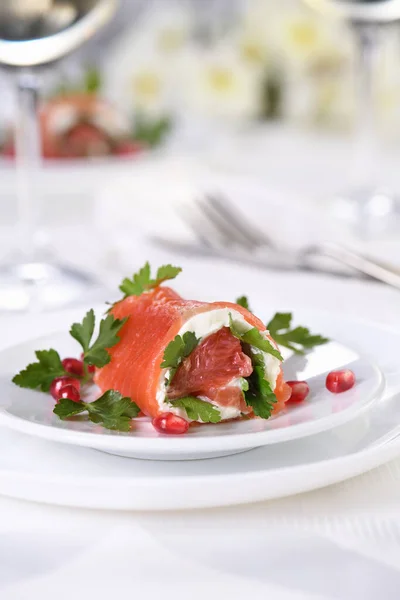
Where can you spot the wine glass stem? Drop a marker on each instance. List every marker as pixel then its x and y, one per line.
pixel 366 143
pixel 27 159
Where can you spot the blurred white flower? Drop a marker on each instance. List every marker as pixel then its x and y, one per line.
pixel 141 70
pixel 137 80
pixel 302 38
pixel 388 82
pixel 218 84
pixel 165 27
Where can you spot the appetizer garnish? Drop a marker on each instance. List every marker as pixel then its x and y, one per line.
pixel 340 381
pixel 300 391
pixel 49 367
pixel 244 302
pixel 177 361
pixel 111 410
pixel 142 282
pixel 169 423
pixel 298 339
pixel 51 374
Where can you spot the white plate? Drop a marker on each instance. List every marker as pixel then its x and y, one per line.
pixel 40 470
pixel 32 412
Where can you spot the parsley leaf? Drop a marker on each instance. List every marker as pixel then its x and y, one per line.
pixel 66 408
pixel 260 395
pixel 111 410
pixel 82 332
pixel 97 353
pixel 164 273
pixel 198 410
pixel 138 284
pixel 244 384
pixel 298 339
pixel 39 375
pixel 244 302
pixel 254 338
pixel 142 282
pixel 177 350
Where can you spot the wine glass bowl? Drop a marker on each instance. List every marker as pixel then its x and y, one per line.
pixel 36 32
pixel 362 11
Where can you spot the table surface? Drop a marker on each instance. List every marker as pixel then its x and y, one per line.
pixel 342 542
pixel 338 542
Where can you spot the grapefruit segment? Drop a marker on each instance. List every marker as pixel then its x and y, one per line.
pixel 211 369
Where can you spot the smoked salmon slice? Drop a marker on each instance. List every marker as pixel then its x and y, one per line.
pixel 217 370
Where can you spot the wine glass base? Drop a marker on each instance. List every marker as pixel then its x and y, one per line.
pixel 39 286
pixel 371 212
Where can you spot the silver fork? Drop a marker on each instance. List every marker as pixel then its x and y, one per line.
pixel 224 231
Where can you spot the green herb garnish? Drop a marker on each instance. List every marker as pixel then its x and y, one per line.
pixel 198 410
pixel 39 375
pixel 244 384
pixel 111 410
pixel 244 302
pixel 177 350
pixel 151 132
pixel 257 390
pixel 254 338
pixel 96 353
pixel 260 395
pixel 298 339
pixel 142 281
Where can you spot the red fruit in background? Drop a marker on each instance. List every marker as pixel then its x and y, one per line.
pixel 70 392
pixel 84 139
pixel 170 423
pixel 128 147
pixel 300 391
pixel 73 366
pixel 340 381
pixel 60 382
pixel 9 148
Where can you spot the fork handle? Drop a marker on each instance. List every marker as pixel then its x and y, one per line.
pixel 372 268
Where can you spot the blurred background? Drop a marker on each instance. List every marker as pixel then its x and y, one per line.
pixel 254 100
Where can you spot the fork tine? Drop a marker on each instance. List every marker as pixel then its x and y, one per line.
pixel 232 234
pixel 202 227
pixel 227 232
pixel 239 221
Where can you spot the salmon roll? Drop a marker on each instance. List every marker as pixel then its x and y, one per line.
pixel 202 361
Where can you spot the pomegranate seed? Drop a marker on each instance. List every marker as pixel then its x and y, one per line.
pixel 340 381
pixel 126 148
pixel 60 382
pixel 169 423
pixel 70 392
pixel 90 368
pixel 300 391
pixel 73 366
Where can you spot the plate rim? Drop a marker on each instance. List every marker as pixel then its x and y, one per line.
pixel 356 464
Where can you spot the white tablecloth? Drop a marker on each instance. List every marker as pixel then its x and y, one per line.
pixel 339 543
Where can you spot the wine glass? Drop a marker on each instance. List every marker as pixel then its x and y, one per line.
pixel 369 206
pixel 35 33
